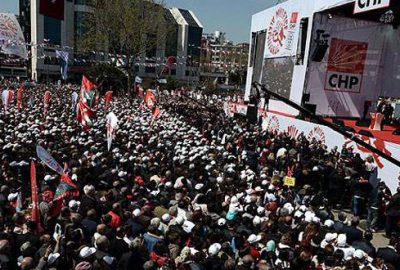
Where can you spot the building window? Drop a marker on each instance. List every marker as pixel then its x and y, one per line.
pixel 80 2
pixel 173 72
pixel 52 30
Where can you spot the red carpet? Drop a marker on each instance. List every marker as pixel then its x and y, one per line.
pixel 386 134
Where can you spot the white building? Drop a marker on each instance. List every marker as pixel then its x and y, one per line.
pixel 62 31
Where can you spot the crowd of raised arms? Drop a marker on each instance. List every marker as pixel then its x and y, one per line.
pixel 189 190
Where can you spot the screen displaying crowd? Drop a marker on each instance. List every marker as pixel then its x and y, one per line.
pixel 191 189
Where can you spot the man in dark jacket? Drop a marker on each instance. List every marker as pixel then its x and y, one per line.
pixel 352 232
pixel 389 254
pixel 365 244
pixel 392 213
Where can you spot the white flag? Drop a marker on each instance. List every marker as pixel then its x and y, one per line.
pixel 49 160
pixel 112 125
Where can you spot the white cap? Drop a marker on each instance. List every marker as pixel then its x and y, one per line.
pixel 86 252
pixel 341 241
pixel 198 186
pixel 108 259
pixel 221 222
pixel 256 220
pixel 253 238
pixel 329 223
pixel 214 249
pixel 359 254
pixel 12 196
pixel 136 212
pixel 166 217
pixel 48 178
pixel 329 237
pixel 52 258
pixel 73 204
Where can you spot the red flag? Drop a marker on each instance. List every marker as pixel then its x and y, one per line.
pixel 66 188
pixel 52 8
pixel 170 61
pixel 140 91
pixel 20 95
pixel 35 199
pixel 156 112
pixel 150 99
pixel 107 98
pixel 87 105
pixel 46 101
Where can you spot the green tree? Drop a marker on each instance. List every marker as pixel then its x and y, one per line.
pixel 125 27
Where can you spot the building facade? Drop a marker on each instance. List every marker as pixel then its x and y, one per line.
pixel 219 57
pixel 60 24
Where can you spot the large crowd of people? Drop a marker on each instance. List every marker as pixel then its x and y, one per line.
pixel 191 189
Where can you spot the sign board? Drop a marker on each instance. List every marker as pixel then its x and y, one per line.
pixel 346 63
pixel 367 5
pixel 283 24
pixel 289 181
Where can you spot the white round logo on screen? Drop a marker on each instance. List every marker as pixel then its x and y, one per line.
pixel 277 31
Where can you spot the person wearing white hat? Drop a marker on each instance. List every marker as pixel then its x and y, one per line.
pixel 86 252
pixel 214 249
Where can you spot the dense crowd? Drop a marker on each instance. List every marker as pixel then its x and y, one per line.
pixel 189 190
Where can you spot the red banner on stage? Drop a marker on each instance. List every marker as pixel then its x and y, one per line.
pixel 52 8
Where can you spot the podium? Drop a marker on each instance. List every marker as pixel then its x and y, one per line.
pixel 376 121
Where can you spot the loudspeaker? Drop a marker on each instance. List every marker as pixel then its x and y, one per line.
pixel 338 122
pixel 319 52
pixel 363 123
pixel 306 97
pixel 310 107
pixel 252 114
pixel 396 132
pixel 366 133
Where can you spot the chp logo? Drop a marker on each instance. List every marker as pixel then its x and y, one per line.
pixel 346 63
pixel 8 28
pixel 281 31
pixel 273 124
pixel 316 133
pixel 292 131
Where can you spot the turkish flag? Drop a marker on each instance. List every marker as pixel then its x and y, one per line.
pixel 52 8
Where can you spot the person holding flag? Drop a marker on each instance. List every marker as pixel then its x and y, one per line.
pixel 46 101
pixel 108 98
pixel 20 96
pixel 87 104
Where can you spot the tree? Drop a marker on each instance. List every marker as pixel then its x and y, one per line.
pixel 108 77
pixel 128 28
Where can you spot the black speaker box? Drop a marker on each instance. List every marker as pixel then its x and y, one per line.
pixel 319 52
pixel 363 123
pixel 310 107
pixel 252 114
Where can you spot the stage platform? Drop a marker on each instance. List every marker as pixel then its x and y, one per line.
pixel 386 134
